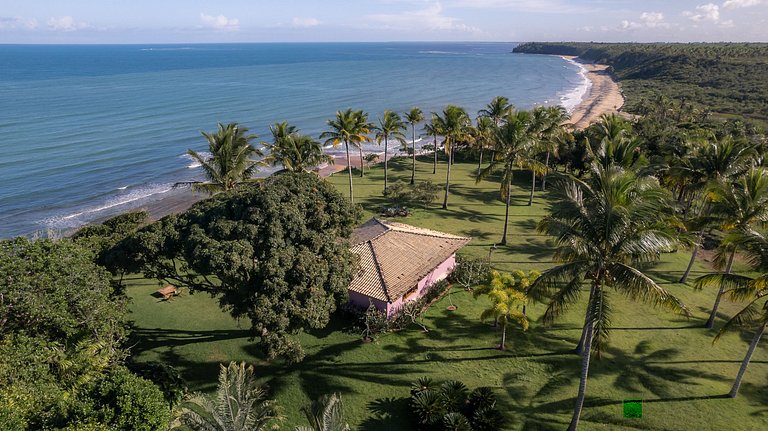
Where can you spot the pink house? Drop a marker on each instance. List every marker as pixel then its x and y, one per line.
pixel 398 262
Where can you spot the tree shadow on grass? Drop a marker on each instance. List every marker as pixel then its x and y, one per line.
pixel 388 414
pixel 537 248
pixel 144 339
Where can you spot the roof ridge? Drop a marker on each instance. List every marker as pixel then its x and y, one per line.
pixel 378 271
pixel 406 228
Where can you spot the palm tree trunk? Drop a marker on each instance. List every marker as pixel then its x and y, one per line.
pixel 434 165
pixel 583 339
pixel 546 169
pixel 693 257
pixel 362 170
pixel 413 148
pixel 745 363
pixel 480 163
pixel 349 171
pixel 588 329
pixel 447 179
pixel 533 187
pixel 506 212
pixel 503 345
pixel 711 321
pixel 385 164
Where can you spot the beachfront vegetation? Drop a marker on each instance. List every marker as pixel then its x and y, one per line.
pixel 413 117
pixel 349 128
pixel 231 161
pixel 390 126
pixel 293 151
pixel 727 79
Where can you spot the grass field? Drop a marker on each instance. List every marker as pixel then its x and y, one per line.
pixel 667 360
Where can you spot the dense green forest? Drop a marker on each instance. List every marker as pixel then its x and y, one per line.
pixel 726 79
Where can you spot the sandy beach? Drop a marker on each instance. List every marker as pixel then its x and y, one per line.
pixel 603 97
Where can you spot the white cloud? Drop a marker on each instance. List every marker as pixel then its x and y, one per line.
pixel 220 22
pixel 430 18
pixel 16 22
pixel 297 22
pixel 706 12
pixel 647 20
pixel 66 24
pixel 736 4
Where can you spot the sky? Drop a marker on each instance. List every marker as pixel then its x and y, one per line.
pixel 201 21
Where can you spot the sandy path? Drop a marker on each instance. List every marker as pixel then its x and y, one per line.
pixel 604 97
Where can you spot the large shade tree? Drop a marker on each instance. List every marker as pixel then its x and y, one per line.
pixel 276 253
pixel 349 128
pixel 605 227
pixel 390 126
pixel 231 161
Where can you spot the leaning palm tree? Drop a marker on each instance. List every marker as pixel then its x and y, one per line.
pixel 350 128
pixel 737 207
pixel 325 414
pixel 296 153
pixel 455 125
pixel 432 128
pixel 413 117
pixel 605 227
pixel 390 126
pixel 230 163
pixel 240 404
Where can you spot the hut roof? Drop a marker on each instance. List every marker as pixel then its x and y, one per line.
pixel 394 257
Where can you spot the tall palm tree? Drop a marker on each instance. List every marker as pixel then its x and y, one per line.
pixel 484 133
pixel 745 288
pixel 605 227
pixel 349 127
pixel 390 126
pixel 432 128
pixel 413 117
pixel 230 163
pixel 296 153
pixel 454 124
pixel 737 207
pixel 511 145
pixel 240 404
pixel 506 292
pixel 550 123
pixel 717 161
pixel 325 414
pixel 497 110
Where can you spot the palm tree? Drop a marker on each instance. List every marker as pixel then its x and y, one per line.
pixel 432 128
pixel 293 151
pixel 741 288
pixel 413 117
pixel 604 227
pixel 497 110
pixel 506 294
pixel 484 133
pixel 349 127
pixel 230 163
pixel 550 126
pixel 737 207
pixel 454 124
pixel 325 414
pixel 390 126
pixel 512 142
pixel 240 404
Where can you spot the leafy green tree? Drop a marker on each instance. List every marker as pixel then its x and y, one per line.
pixel 605 227
pixel 414 117
pixel 276 252
pixel 240 404
pixel 231 162
pixel 390 126
pixel 293 151
pixel 507 295
pixel 455 126
pixel 753 289
pixel 325 414
pixel 348 128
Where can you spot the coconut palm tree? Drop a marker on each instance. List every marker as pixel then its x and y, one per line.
pixel 454 125
pixel 325 414
pixel 511 146
pixel 506 292
pixel 390 126
pixel 293 151
pixel 550 123
pixel 230 163
pixel 497 110
pixel 744 288
pixel 350 128
pixel 483 137
pixel 432 128
pixel 240 404
pixel 604 226
pixel 413 117
pixel 737 207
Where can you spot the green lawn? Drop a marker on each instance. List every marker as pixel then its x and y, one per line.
pixel 667 360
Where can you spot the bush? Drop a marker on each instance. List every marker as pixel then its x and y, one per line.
pixel 420 194
pixel 469 272
pixel 451 407
pixel 167 378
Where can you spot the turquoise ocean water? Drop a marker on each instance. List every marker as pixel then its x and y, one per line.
pixel 90 131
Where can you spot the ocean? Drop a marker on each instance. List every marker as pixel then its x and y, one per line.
pixel 90 131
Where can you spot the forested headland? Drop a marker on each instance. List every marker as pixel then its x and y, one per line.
pixel 726 79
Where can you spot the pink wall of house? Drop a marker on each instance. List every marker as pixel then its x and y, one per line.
pixel 362 301
pixel 437 274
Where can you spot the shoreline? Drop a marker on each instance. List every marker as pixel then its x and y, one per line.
pixel 604 95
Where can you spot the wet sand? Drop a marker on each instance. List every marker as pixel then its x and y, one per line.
pixel 603 97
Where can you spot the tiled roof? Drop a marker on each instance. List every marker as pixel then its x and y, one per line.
pixel 394 257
